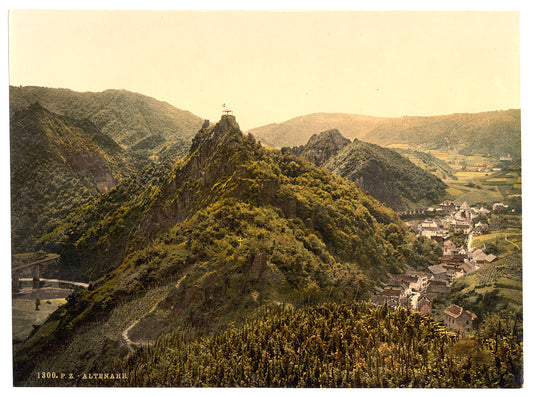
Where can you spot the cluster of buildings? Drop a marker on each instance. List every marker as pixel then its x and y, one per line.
pixel 418 289
pixel 450 217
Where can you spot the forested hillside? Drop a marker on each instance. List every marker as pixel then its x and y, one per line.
pixel 387 175
pixel 232 228
pixel 491 134
pixel 57 163
pixel 133 120
pixel 428 163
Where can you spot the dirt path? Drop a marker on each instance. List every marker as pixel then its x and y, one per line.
pixel 125 333
pixel 511 242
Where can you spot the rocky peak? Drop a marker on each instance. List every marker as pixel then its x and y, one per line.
pixel 227 129
pixel 321 147
pixel 331 138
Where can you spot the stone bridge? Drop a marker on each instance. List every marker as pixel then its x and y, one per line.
pixel 35 268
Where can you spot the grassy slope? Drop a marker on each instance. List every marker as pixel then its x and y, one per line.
pixel 387 175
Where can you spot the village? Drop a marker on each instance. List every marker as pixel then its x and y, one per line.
pixel 418 289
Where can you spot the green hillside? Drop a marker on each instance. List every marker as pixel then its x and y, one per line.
pixel 387 176
pixel 57 163
pixel 495 289
pixel 127 117
pixel 232 228
pixel 489 134
pixel 428 162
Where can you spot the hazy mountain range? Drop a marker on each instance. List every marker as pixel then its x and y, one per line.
pixel 493 134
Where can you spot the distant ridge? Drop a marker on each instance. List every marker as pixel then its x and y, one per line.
pixel 127 117
pixel 297 131
pixel 493 134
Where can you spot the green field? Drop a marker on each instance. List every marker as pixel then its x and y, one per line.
pixel 25 315
pixel 477 187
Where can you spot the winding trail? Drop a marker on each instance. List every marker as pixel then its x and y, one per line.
pixel 125 333
pixel 512 242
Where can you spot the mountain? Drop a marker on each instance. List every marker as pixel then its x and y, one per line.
pixel 57 163
pixel 132 120
pixel 492 134
pixel 320 147
pixel 382 172
pixel 234 228
pixel 297 131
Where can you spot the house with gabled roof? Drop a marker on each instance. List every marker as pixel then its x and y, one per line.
pixel 483 211
pixel 425 304
pixel 459 320
pixel 447 206
pixel 437 288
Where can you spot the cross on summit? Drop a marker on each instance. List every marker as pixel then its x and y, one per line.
pixel 226 111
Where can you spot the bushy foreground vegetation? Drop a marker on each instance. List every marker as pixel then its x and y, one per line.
pixel 332 345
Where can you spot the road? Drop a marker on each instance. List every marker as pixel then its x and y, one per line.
pixel 470 239
pixel 53 280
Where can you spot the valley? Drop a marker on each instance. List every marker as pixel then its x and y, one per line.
pixel 210 259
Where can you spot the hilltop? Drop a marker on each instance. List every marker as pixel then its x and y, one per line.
pixel 133 120
pixel 492 134
pixel 232 228
pixel 382 172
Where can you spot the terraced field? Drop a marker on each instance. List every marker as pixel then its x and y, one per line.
pixel 494 288
pixel 508 241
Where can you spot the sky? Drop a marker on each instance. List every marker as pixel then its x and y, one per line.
pixel 270 66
